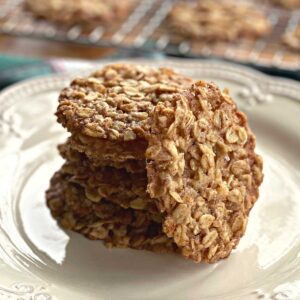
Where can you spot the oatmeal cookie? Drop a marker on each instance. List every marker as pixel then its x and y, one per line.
pixel 203 170
pixel 213 21
pixel 102 154
pixel 292 39
pixel 114 103
pixel 83 12
pixel 125 189
pixel 116 226
pixel 95 148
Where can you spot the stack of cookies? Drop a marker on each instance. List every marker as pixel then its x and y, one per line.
pixel 155 162
pixel 101 189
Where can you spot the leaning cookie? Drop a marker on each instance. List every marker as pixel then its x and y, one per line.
pixel 116 226
pixel 203 170
pixel 215 21
pixel 82 12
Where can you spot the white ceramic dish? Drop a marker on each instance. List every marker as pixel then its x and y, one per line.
pixel 40 261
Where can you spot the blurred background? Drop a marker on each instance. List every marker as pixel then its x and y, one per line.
pixel 43 37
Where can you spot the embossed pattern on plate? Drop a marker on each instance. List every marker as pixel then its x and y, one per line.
pixel 40 261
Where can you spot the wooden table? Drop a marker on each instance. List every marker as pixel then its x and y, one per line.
pixel 47 49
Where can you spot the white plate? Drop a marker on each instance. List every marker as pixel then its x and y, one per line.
pixel 40 261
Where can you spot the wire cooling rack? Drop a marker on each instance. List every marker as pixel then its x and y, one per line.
pixel 145 29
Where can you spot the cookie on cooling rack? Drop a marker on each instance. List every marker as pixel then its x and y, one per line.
pixel 288 4
pixel 116 226
pixel 203 170
pixel 83 12
pixel 292 39
pixel 213 21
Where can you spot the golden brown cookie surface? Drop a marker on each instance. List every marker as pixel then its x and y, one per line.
pixel 114 103
pixel 110 150
pixel 101 153
pixel 203 170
